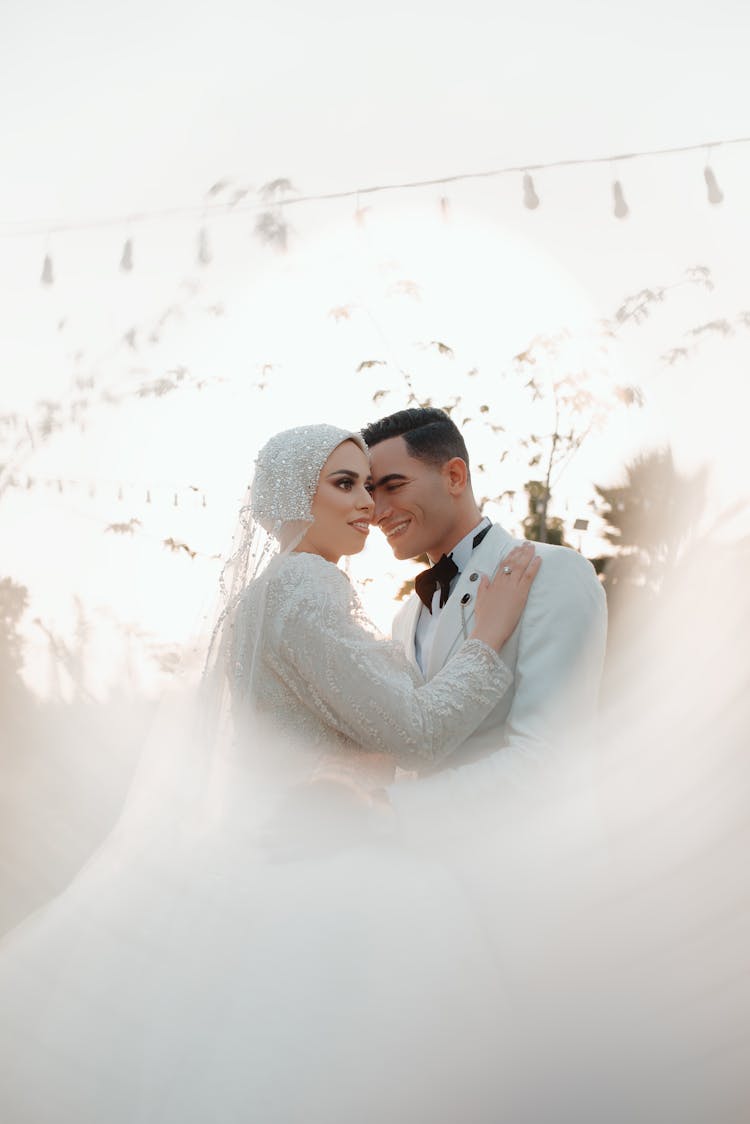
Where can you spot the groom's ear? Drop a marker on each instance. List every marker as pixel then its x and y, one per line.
pixel 456 475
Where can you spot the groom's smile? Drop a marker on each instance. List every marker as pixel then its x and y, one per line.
pixel 413 506
pixel 392 531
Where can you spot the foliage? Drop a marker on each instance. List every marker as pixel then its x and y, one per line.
pixel 571 398
pixel 70 654
pixel 14 599
pixel 554 531
pixel 88 390
pixel 649 519
pixel 175 546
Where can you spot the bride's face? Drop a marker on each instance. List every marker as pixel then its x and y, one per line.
pixel 343 506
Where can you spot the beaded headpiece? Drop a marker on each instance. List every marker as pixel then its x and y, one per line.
pixel 276 513
pixel 287 471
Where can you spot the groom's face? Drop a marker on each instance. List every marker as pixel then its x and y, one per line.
pixel 413 507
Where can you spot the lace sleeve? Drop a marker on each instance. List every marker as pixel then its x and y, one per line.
pixel 362 685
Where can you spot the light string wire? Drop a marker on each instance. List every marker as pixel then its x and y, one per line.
pixel 206 210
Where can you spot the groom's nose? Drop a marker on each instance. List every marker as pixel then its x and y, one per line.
pixel 382 506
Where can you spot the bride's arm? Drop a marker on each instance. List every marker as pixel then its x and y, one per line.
pixel 361 685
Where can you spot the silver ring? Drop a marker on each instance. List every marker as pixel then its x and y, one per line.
pixel 507 570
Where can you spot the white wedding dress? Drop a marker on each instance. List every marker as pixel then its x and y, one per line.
pixel 225 964
pixel 322 674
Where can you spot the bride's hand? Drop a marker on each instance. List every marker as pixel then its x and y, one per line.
pixel 501 601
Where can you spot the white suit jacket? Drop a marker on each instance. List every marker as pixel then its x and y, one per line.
pixel 556 653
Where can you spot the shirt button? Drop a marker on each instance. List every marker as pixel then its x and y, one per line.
pixel 473 577
pixel 466 598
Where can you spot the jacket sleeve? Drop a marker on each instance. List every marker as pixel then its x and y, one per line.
pixel 560 655
pixel 362 685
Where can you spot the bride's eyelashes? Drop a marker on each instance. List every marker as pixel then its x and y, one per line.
pixel 347 484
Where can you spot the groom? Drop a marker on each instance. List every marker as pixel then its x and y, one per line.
pixel 424 504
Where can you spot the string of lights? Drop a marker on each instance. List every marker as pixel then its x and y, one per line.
pixel 171 494
pixel 137 496
pixel 225 198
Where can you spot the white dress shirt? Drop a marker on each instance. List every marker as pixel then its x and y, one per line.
pixel 428 622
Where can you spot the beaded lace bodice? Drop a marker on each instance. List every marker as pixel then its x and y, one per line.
pixel 304 654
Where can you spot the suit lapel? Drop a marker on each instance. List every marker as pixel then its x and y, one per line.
pixel 450 630
pixel 409 628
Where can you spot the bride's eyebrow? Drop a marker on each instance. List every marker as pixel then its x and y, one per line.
pixel 344 472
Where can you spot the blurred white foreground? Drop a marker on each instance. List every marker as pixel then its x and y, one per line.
pixel 571 946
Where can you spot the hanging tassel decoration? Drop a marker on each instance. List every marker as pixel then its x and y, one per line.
pixel 530 197
pixel 203 502
pixel 176 501
pixel 204 249
pixel 126 260
pixel 715 194
pixel 445 207
pixel 621 209
pixel 48 273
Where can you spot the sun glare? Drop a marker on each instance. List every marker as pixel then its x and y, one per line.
pixel 358 319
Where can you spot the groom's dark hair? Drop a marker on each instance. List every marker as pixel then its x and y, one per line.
pixel 429 433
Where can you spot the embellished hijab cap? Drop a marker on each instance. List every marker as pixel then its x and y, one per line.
pixel 287 471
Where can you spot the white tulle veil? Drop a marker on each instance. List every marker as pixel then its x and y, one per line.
pixel 185 767
pixel 273 520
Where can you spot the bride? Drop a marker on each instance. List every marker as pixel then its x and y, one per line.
pixel 187 975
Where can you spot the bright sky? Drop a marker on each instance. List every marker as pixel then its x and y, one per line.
pixel 111 111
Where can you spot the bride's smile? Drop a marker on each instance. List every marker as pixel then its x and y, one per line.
pixel 343 506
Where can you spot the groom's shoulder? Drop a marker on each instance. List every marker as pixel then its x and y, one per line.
pixel 559 563
pixel 568 578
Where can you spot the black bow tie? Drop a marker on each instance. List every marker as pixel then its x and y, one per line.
pixel 441 574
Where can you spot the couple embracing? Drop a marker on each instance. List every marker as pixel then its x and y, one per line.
pixel 495 656
pixel 186 975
